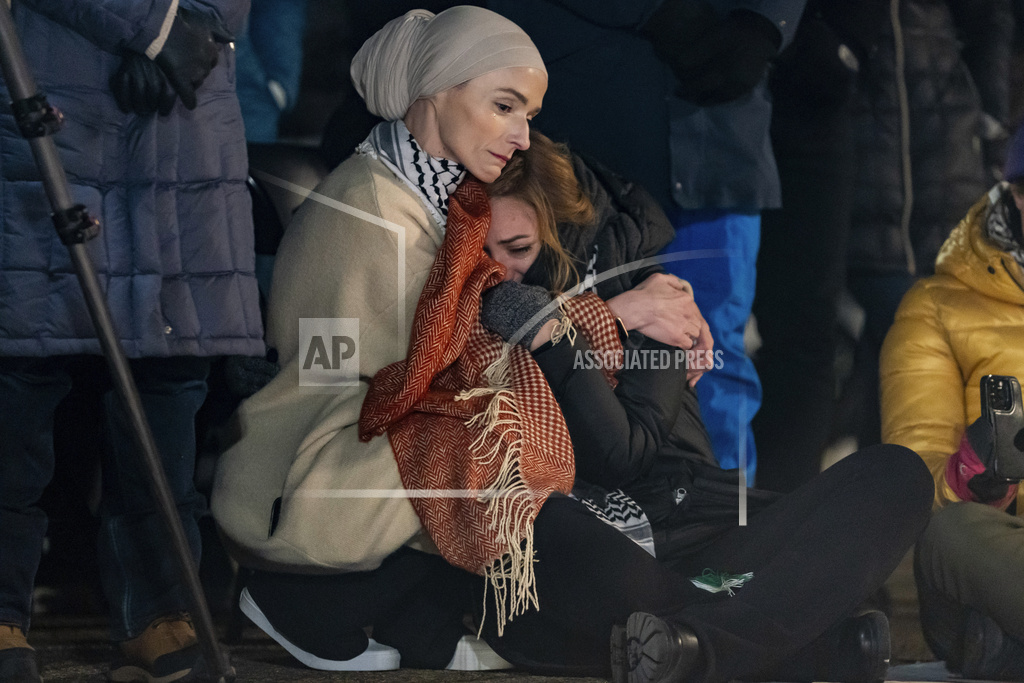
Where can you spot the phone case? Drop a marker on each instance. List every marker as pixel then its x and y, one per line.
pixel 1001 404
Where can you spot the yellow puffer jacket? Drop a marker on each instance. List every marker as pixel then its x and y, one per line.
pixel 951 329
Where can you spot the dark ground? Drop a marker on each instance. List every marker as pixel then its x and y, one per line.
pixel 72 644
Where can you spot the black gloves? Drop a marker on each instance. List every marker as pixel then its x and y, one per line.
pixel 140 87
pixel 985 486
pixel 508 306
pixel 190 52
pixel 715 58
pixel 143 86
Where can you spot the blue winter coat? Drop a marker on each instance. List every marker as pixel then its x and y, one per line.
pixel 175 254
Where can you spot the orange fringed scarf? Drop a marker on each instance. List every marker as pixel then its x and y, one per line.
pixel 476 432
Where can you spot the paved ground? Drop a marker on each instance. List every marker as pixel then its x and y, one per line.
pixel 74 649
pixel 78 653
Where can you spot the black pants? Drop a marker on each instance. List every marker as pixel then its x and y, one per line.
pixel 816 554
pixel 414 601
pixel 801 269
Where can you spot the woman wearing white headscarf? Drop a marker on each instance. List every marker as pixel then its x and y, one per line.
pixel 300 493
pixel 383 268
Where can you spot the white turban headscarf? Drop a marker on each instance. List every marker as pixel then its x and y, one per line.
pixel 420 54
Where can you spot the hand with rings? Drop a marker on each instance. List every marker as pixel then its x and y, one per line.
pixel 662 307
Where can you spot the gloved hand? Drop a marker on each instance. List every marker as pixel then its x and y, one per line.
pixel 140 87
pixel 715 58
pixel 190 52
pixel 509 305
pixel 984 485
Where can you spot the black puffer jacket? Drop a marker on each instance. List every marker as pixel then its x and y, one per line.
pixel 645 436
pixel 955 61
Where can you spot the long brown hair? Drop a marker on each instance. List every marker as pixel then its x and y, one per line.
pixel 542 177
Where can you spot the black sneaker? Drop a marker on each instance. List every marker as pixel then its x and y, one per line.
pixel 651 650
pixel 376 657
pixel 989 653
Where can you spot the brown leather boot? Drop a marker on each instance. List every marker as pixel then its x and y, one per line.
pixel 166 651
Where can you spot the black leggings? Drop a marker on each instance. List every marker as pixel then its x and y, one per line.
pixel 816 554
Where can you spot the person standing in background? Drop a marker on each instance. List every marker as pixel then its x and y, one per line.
pixel 269 50
pixel 672 95
pixel 801 266
pixel 930 118
pixel 154 147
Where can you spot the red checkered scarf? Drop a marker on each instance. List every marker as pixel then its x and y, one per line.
pixel 479 439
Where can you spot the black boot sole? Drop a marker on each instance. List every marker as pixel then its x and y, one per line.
pixel 650 650
pixel 875 649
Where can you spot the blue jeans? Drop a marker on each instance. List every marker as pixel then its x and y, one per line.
pixel 724 290
pixel 139 573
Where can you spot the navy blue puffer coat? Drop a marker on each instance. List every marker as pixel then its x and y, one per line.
pixel 175 254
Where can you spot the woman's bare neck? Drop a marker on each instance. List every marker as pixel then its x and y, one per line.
pixel 421 120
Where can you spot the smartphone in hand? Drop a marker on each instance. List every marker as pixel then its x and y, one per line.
pixel 1001 405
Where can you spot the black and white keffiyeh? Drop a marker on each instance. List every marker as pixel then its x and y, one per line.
pixel 433 178
pixel 997 226
pixel 617 509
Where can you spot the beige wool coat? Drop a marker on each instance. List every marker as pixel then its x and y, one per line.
pixel 298 491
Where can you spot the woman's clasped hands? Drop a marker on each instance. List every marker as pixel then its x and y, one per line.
pixel 662 307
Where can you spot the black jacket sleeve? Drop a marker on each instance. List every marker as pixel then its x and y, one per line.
pixel 986 28
pixel 616 434
pixel 630 226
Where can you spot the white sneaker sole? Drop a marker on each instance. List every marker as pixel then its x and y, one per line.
pixel 474 654
pixel 375 657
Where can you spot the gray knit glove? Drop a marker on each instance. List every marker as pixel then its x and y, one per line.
pixel 508 306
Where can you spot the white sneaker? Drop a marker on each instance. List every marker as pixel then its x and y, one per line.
pixel 474 654
pixel 375 657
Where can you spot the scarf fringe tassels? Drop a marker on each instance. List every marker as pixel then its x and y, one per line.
pixel 509 509
pixel 509 444
pixel 509 499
